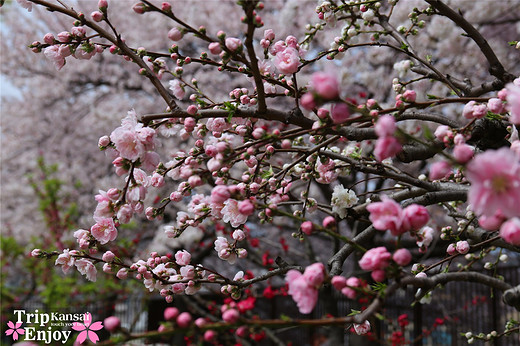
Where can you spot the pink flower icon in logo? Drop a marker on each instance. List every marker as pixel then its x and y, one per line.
pixel 87 328
pixel 14 329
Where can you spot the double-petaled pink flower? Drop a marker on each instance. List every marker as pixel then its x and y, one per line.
pixel 495 183
pixel 304 287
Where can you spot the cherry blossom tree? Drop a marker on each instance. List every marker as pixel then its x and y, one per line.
pixel 315 150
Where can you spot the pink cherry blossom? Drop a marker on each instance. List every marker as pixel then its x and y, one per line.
pixel 416 216
pixel 385 126
pixel 339 113
pixel 287 60
pixel 54 55
pixel 104 230
pixel 495 183
pixel 362 328
pixel 87 268
pixel 177 89
pixel 182 258
pixel 513 100
pixel 302 293
pixel 232 214
pixel 184 319
pixel 493 222
pixel 402 257
pixel 375 258
pixel 440 170
pixel 387 215
pixel 326 85
pixel 510 231
pixel 386 147
pixel 307 101
pixel 463 153
pixel 66 260
pixel 462 247
pixel 171 313
pixel 231 315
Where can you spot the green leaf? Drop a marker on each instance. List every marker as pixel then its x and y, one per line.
pixel 354 312
pixel 427 132
pixel 432 97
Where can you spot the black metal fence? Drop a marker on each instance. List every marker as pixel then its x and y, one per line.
pixel 456 309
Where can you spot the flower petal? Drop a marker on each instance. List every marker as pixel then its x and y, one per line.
pixel 9 332
pixel 96 325
pixel 82 337
pixel 78 326
pixel 10 325
pixel 93 336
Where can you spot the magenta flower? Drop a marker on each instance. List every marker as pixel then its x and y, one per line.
pixel 14 330
pixel 87 329
pixel 495 183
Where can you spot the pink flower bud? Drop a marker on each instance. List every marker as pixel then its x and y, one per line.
pixel 326 85
pixel 416 216
pixel 97 16
pixel 102 5
pixel 108 256
pixel 329 222
pixel 139 8
pixel 307 101
pixel 339 113
pixel 451 250
pixel 175 34
pixel 171 313
pixel 103 141
pixel 239 235
pixel 307 227
pixel 231 315
pixel 439 170
pixel 402 257
pixel 210 335
pixel 192 109
pixel 122 274
pixel 269 34
pixel 385 126
pixel 339 282
pixel 462 247
pixel 409 96
pixel 245 207
pixel 48 38
pixel 362 328
pixel 495 105
pixel 112 323
pixel 214 48
pixel 463 153
pixel 233 43
pixel 378 275
pixel 166 7
pixel 510 231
